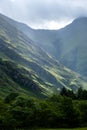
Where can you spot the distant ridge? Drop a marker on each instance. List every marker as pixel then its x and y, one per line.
pixel 27 67
pixel 68 45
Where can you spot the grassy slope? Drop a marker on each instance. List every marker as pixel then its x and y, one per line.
pixel 47 73
pixel 74 45
pixel 66 129
pixel 68 44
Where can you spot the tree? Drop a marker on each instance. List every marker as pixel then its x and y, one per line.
pixel 67 93
pixel 83 112
pixel 63 92
pixel 82 94
pixel 10 97
pixel 70 115
pixel 79 93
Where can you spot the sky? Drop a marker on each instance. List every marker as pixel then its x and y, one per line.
pixel 46 14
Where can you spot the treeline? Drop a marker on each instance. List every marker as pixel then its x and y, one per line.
pixel 57 111
pixel 80 94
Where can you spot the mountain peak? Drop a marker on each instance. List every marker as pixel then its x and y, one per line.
pixel 26 64
pixel 80 19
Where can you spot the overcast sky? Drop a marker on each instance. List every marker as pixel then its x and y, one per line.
pixel 51 14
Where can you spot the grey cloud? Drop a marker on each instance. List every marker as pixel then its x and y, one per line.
pixel 57 9
pixel 40 11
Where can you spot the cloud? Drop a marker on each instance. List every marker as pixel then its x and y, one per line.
pixel 42 12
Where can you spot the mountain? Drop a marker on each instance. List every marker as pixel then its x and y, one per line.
pixel 68 45
pixel 74 47
pixel 27 68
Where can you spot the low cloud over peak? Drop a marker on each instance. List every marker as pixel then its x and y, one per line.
pixel 41 14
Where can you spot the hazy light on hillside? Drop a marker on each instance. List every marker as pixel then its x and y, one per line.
pixel 57 25
pixel 51 25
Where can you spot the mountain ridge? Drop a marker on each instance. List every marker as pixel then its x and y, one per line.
pixel 47 75
pixel 65 44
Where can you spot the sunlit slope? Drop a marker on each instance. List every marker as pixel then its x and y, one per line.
pixel 68 45
pixel 28 68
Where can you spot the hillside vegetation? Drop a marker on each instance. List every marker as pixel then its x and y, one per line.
pixel 58 111
pixel 68 45
pixel 27 68
pixel 36 90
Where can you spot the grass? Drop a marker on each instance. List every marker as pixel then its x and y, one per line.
pixel 66 129
pixel 56 129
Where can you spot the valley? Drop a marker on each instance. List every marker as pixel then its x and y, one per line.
pixel 33 61
pixel 43 76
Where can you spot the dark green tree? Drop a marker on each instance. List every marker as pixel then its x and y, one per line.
pixel 63 92
pixel 82 94
pixel 10 97
pixel 70 115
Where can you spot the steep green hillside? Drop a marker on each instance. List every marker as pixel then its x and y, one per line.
pixel 74 48
pixel 17 79
pixel 67 45
pixel 28 68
